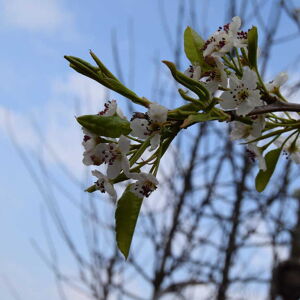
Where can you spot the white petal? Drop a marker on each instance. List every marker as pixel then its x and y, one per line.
pixel 139 128
pixel 124 144
pixel 154 142
pixel 258 125
pixel 114 169
pixel 126 166
pixel 235 24
pixel 228 101
pixel 212 86
pixel 189 72
pixel 197 73
pixel 142 177
pixel 239 130
pixel 234 82
pixel 136 176
pixel 244 108
pixel 112 108
pixel 110 190
pixel 224 79
pixel 98 174
pixel 152 178
pixel 280 79
pixel 261 160
pixel 89 144
pixel 87 160
pixel 279 141
pixel 262 163
pixel 249 78
pixel 158 113
pixel 254 98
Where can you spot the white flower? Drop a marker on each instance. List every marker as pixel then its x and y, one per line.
pixel 157 113
pixel 115 156
pixel 243 94
pixel 217 77
pixel 103 185
pixel 145 184
pixel 239 130
pixel 279 80
pixel 258 125
pixel 291 148
pixel 140 127
pixel 90 141
pixel 225 38
pixel 193 72
pixel 255 152
pixel 110 109
pixel 144 125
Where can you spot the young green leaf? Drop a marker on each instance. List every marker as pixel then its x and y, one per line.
pixel 102 66
pixel 197 118
pixel 193 45
pixel 127 212
pixel 252 47
pixel 190 83
pixel 263 177
pixel 108 126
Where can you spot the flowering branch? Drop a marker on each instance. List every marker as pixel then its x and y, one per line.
pixel 278 106
pixel 224 65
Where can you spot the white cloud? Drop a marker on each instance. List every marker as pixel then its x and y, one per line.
pixel 56 120
pixel 11 121
pixel 35 15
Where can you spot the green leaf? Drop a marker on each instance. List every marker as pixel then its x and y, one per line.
pixel 263 177
pixel 127 212
pixel 190 83
pixel 112 126
pixel 102 75
pixel 193 45
pixel 197 118
pixel 118 87
pixel 252 47
pixel 102 66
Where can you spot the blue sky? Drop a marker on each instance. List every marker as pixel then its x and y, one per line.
pixel 37 84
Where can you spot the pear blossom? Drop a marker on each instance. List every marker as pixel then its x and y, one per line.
pixel 145 184
pixel 115 156
pixel 216 77
pixel 211 79
pixel 291 148
pixel 103 184
pixel 239 130
pixel 279 80
pixel 144 125
pixel 225 38
pixel 255 152
pixel 193 72
pixel 110 109
pixel 90 141
pixel 258 125
pixel 243 94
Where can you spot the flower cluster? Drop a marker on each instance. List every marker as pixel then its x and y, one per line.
pixel 225 38
pixel 241 91
pixel 223 83
pixel 118 154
